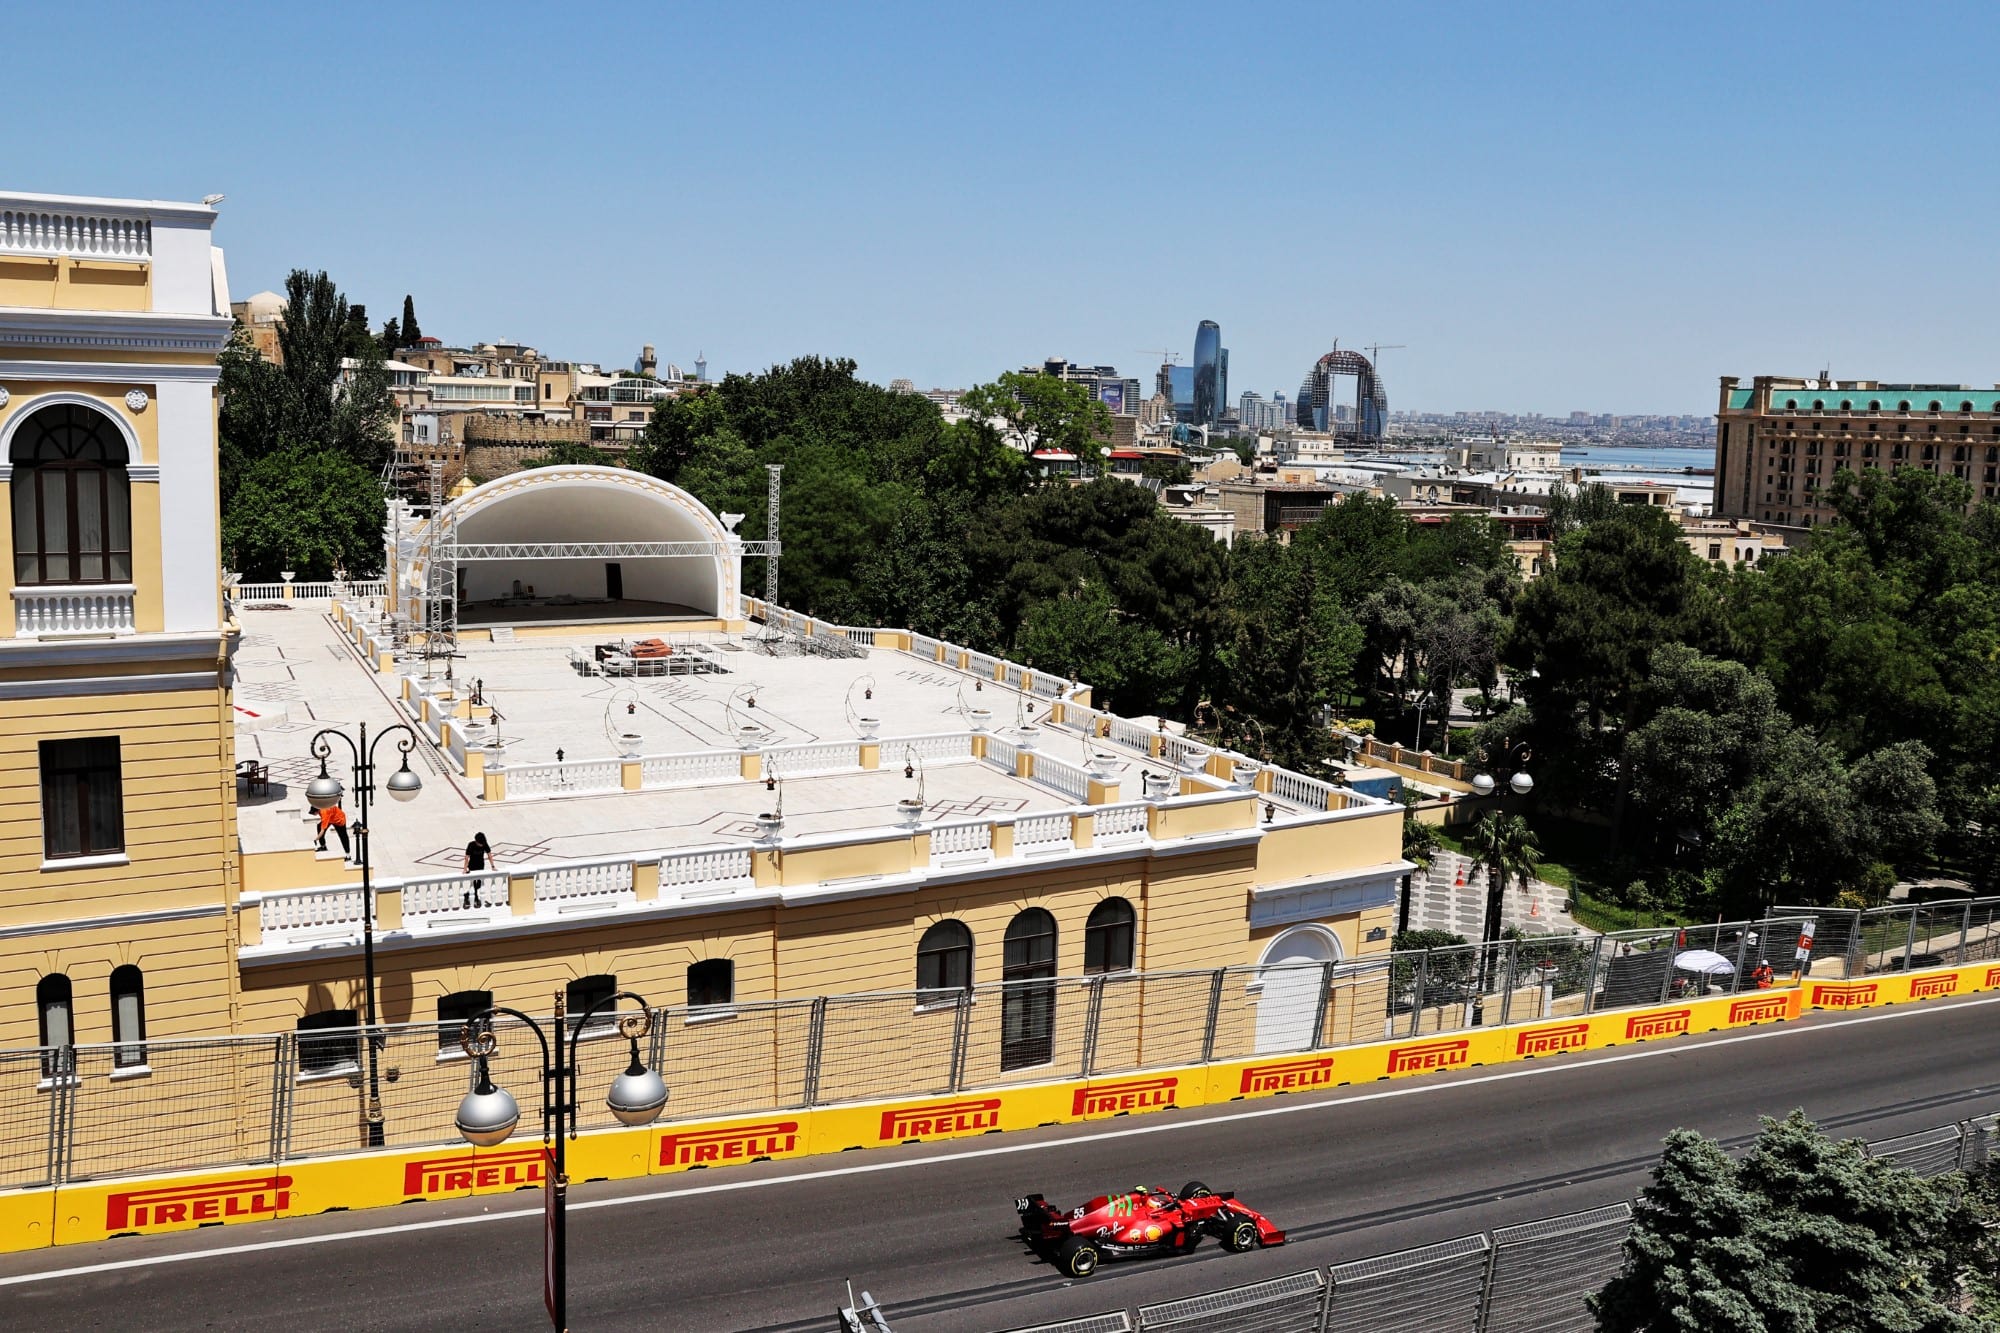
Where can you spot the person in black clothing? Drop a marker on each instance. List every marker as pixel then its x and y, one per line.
pixel 477 854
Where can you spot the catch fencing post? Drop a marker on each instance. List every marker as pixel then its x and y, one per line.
pixel 1910 943
pixel 1092 1011
pixel 1590 977
pixel 1417 985
pixel 1325 999
pixel 62 1077
pixel 1964 933
pixel 1743 948
pixel 815 1035
pixel 1667 974
pixel 961 1024
pixel 656 1049
pixel 281 1098
pixel 1214 1012
pixel 1507 995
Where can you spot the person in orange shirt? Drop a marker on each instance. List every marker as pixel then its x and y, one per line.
pixel 1762 975
pixel 335 818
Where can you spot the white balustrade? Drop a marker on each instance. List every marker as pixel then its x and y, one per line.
pixel 792 761
pixel 922 645
pixel 697 766
pixel 455 745
pixel 311 914
pixel 1130 734
pixel 1068 779
pixel 578 777
pixel 73 609
pixel 1309 793
pixel 704 871
pixel 1002 753
pixel 937 748
pixel 1180 750
pixel 260 592
pixel 961 842
pixel 1117 822
pixel 448 895
pixel 583 886
pixel 1042 683
pixel 48 232
pixel 979 664
pixel 1044 833
pixel 314 592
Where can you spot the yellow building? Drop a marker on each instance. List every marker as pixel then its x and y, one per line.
pixel 118 865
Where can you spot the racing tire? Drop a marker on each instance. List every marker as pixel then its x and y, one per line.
pixel 1077 1258
pixel 1194 1189
pixel 1241 1237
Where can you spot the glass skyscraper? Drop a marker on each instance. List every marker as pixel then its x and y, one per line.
pixel 1208 383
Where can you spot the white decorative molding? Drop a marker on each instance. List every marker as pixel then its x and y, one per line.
pixel 4 395
pixel 73 687
pixel 42 400
pixel 53 610
pixel 110 372
pixel 111 329
pixel 1323 896
pixel 142 471
pixel 66 229
pixel 136 399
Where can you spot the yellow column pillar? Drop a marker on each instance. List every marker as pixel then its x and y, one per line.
pixel 494 785
pixel 646 880
pixel 751 765
pixel 521 894
pixel 1082 829
pixel 871 754
pixel 1101 793
pixel 1002 843
pixel 629 775
pixel 389 908
pixel 1024 763
pixel 764 868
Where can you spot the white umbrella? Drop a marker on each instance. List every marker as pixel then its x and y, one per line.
pixel 1706 961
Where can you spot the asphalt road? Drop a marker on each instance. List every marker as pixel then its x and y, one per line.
pixel 1350 1173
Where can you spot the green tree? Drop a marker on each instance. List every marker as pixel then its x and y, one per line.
pixel 1506 846
pixel 391 337
pixel 412 334
pixel 1044 412
pixel 312 511
pixel 1708 731
pixel 1801 1235
pixel 1082 635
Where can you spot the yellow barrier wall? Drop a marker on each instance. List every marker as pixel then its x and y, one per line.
pixel 85 1212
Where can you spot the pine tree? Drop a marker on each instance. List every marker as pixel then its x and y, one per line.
pixel 412 333
pixel 392 336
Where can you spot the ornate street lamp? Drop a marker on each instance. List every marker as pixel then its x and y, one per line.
pixel 488 1113
pixel 324 792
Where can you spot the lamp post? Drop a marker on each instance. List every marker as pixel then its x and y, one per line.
pixel 488 1113
pixel 1513 754
pixel 325 791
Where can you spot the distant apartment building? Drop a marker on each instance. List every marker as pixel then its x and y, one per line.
pixel 1254 412
pixel 1779 442
pixel 1119 393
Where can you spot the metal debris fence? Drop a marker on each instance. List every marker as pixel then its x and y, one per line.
pixel 95 1112
pixel 1530 1278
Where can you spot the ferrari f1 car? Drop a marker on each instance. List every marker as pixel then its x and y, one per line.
pixel 1146 1221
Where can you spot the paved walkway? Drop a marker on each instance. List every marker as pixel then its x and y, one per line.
pixel 1452 896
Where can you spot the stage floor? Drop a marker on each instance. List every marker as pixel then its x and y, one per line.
pixel 484 615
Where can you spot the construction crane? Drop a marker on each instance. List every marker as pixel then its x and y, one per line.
pixel 1375 351
pixel 1166 354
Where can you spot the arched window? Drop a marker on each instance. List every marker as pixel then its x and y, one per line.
pixel 1028 992
pixel 1965 406
pixel 128 1016
pixel 1936 406
pixel 1819 404
pixel 944 960
pixel 454 1011
pixel 712 981
pixel 55 1016
pixel 1847 405
pixel 1107 937
pixel 72 499
pixel 1874 404
pixel 585 992
pixel 1903 406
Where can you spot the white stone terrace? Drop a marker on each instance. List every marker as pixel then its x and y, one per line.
pixel 616 820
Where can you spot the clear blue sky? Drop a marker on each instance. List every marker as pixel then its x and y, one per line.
pixel 1592 206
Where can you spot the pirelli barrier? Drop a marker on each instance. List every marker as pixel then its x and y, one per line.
pixel 75 1213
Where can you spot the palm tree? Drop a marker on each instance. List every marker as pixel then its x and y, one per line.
pixel 1506 846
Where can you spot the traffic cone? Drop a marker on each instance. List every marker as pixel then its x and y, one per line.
pixel 1535 907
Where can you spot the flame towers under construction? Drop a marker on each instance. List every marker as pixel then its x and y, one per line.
pixel 1316 403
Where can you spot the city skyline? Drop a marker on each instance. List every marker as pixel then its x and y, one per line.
pixel 1577 199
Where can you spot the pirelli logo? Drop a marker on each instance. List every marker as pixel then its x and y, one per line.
pixel 1760 1009
pixel 216 1201
pixel 1670 1024
pixel 741 1143
pixel 1992 978
pixel 1844 997
pixel 1924 988
pixel 1547 1041
pixel 517 1167
pixel 922 1122
pixel 1288 1076
pixel 1137 1094
pixel 1428 1056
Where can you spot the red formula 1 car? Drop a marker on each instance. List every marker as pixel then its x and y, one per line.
pixel 1146 1221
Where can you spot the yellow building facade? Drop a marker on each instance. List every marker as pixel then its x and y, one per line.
pixel 118 850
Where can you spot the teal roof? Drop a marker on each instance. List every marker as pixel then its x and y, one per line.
pixel 1739 398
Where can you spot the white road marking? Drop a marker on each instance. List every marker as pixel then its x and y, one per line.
pixel 1414 1087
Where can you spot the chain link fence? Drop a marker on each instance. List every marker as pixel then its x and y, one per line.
pixel 94 1112
pixel 1530 1278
